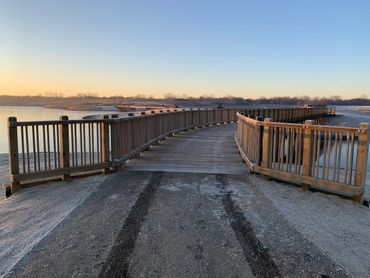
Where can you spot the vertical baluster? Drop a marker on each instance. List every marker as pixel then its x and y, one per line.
pixel 89 138
pixel 300 147
pixel 23 155
pixel 28 150
pixel 335 150
pixel 44 145
pixel 318 154
pixel 48 138
pixel 282 146
pixel 328 156
pixel 273 164
pixel 76 144
pixel 324 158
pixel 339 155
pixel 37 146
pixel 54 146
pixel 314 153
pixel 81 145
pixel 351 157
pixel 289 153
pixel 58 147
pixel 97 142
pixel 34 148
pixel 271 146
pixel 92 143
pixel 84 142
pixel 346 159
pixel 72 144
pixel 296 151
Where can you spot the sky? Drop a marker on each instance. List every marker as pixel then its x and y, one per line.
pixel 250 48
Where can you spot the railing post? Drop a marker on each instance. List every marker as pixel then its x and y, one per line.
pixel 104 132
pixel 114 136
pixel 260 142
pixel 361 161
pixel 266 144
pixel 307 151
pixel 13 153
pixel 64 145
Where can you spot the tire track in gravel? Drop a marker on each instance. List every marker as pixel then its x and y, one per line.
pixel 118 261
pixel 260 261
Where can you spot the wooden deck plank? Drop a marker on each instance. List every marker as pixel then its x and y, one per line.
pixel 206 150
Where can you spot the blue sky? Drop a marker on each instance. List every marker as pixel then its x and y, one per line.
pixel 243 48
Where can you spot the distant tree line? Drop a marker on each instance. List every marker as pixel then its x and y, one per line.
pixel 51 98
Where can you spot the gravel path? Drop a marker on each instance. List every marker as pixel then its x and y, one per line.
pixel 32 213
pixel 215 221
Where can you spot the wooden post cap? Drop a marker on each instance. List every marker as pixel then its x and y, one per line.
pixel 363 125
pixel 309 122
pixel 11 121
pixel 63 118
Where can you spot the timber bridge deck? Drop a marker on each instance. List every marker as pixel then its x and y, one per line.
pixel 186 206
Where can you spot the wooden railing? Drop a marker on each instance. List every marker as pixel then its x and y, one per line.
pixel 328 158
pixel 290 114
pixel 41 150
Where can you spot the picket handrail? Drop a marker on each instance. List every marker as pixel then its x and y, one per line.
pixel 329 158
pixel 41 150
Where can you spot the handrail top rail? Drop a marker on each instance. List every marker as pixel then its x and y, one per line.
pixel 315 127
pixel 78 121
pixel 249 120
pixel 148 114
pixel 311 127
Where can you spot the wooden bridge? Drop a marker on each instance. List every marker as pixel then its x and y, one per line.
pixel 284 143
pixel 184 203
